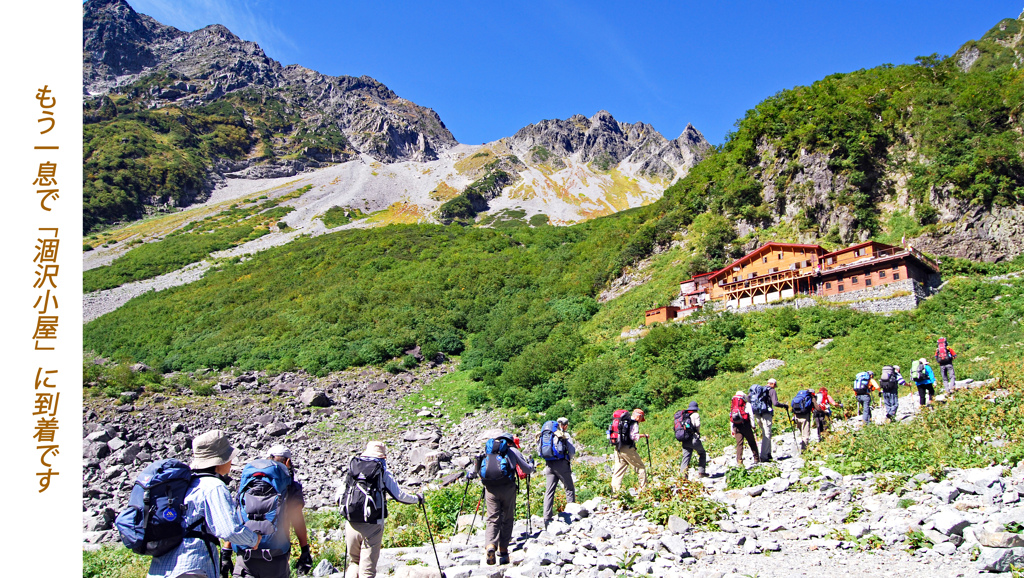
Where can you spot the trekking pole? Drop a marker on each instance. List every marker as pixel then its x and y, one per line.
pixel 529 514
pixel 793 422
pixel 649 459
pixel 472 526
pixel 431 534
pixel 461 503
pixel 344 562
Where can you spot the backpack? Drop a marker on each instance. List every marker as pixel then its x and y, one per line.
pixel 619 430
pixel 262 492
pixel 803 402
pixel 822 397
pixel 496 468
pixel 760 399
pixel 684 427
pixel 860 383
pixel 917 372
pixel 363 499
pixel 549 447
pixel 943 354
pixel 888 380
pixel 738 413
pixel 153 522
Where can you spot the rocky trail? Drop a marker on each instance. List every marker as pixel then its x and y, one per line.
pixel 809 520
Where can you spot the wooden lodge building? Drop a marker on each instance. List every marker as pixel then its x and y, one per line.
pixel 778 271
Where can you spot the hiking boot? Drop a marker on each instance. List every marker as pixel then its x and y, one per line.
pixel 685 473
pixel 702 474
pixel 490 554
pixel 503 558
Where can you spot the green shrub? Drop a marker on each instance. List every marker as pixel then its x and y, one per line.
pixel 740 477
pixel 203 389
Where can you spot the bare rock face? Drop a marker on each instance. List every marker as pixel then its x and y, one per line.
pixel 122 46
pixel 607 142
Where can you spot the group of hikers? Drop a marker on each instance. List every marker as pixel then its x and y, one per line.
pixel 179 513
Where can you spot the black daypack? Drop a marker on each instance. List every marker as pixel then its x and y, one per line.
pixel 684 429
pixel 363 499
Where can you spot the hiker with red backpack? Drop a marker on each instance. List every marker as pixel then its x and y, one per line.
pixel 204 514
pixel 944 356
pixel 500 468
pixel 823 403
pixel 687 430
pixel 741 428
pixel 890 382
pixel 863 384
pixel 623 434
pixel 557 449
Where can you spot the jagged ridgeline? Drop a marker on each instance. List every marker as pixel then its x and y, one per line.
pixel 930 151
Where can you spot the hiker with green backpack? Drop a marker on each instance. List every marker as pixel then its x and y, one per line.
pixel 924 379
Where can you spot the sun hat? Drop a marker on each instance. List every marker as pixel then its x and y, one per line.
pixel 741 393
pixel 772 381
pixel 638 415
pixel 563 421
pixel 693 406
pixel 375 449
pixel 211 449
pixel 279 451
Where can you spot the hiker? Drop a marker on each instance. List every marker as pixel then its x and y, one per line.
pixel 803 404
pixel 364 506
pixel 741 428
pixel 763 400
pixel 498 468
pixel 627 430
pixel 944 356
pixel 890 382
pixel 255 564
pixel 208 503
pixel 863 384
pixel 557 449
pixel 823 403
pixel 687 429
pixel 924 379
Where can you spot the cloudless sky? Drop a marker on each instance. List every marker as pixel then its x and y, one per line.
pixel 490 68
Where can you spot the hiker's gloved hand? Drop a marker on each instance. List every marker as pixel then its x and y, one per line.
pixel 419 498
pixel 470 475
pixel 226 565
pixel 305 561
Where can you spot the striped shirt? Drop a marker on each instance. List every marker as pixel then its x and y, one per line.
pixel 207 498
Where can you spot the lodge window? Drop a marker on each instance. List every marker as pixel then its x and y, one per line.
pixel 853 280
pixel 867 281
pixel 840 288
pixel 765 260
pixel 828 285
pixel 780 256
pixel 895 267
pixel 895 276
pixel 881 274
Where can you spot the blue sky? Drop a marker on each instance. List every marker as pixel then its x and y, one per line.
pixel 489 69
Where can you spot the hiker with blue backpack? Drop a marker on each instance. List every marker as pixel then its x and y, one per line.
pixel 863 384
pixel 499 468
pixel 687 429
pixel 364 506
pixel 924 379
pixel 763 400
pixel 270 500
pixel 556 447
pixel 803 405
pixel 178 513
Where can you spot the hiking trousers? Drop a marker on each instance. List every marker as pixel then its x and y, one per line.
pixel 702 457
pixel 742 433
pixel 821 419
pixel 925 388
pixel 803 425
pixel 948 378
pixel 501 514
pixel 363 541
pixel 892 403
pixel 865 407
pixel 625 457
pixel 764 425
pixel 557 471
